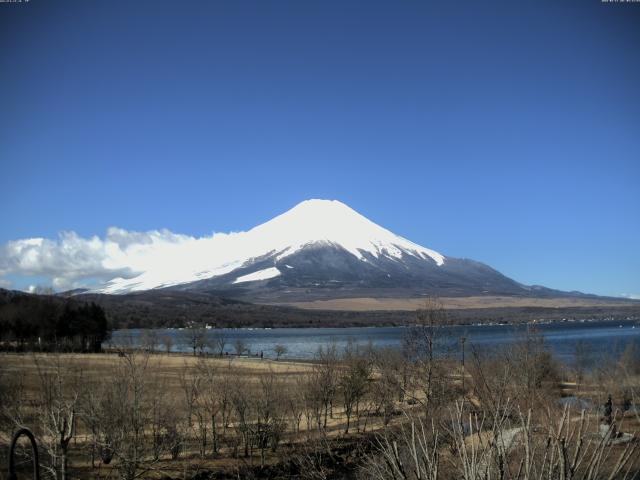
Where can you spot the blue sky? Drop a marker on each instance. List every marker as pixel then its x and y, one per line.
pixel 507 132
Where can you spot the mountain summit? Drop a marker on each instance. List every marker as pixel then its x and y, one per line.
pixel 334 223
pixel 319 249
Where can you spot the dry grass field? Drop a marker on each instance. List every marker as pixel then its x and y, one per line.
pixel 97 366
pixel 135 414
pixel 412 304
pixel 181 382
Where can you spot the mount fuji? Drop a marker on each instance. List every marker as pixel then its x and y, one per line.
pixel 320 249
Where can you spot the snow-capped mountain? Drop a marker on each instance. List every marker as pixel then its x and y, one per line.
pixel 318 249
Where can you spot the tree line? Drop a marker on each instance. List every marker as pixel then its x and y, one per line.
pixel 49 323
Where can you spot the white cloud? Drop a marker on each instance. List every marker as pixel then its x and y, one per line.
pixel 71 261
pixel 4 283
pixel 632 296
pixel 66 259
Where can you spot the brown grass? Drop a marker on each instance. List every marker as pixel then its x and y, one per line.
pixel 409 304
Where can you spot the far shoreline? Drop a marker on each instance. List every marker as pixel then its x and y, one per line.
pixel 301 345
pixel 408 325
pixel 254 317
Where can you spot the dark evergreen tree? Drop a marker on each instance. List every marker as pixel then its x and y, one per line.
pixel 39 322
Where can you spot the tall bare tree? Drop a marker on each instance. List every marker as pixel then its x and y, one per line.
pixel 167 342
pixel 240 346
pixel 420 344
pixel 60 386
pixel 353 382
pixel 217 341
pixel 194 337
pixel 324 379
pixel 270 413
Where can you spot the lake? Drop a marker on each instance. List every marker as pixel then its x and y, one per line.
pixel 601 338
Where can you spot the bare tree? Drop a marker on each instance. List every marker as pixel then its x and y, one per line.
pixel 12 407
pixel 280 350
pixel 535 373
pixel 225 380
pixel 295 400
pixel 411 454
pixel 240 346
pixel 353 382
pixel 428 372
pixel 194 337
pixel 149 340
pixel 324 379
pixel 163 423
pixel 384 396
pixel 269 411
pixel 583 360
pixel 125 430
pixel 136 423
pixel 217 341
pixel 167 342
pixel 213 398
pixel 202 414
pixel 190 386
pixel 240 400
pixel 506 445
pixel 314 398
pixel 60 390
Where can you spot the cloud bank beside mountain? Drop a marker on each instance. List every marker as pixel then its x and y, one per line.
pixel 319 247
pixel 71 261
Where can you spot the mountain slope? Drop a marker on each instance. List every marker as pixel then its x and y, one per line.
pixel 310 223
pixel 321 271
pixel 321 249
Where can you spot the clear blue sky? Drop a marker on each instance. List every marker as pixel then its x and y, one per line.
pixel 507 132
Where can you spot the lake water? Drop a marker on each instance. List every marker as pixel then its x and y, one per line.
pixel 601 339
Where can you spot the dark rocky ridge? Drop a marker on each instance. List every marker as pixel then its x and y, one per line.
pixel 324 271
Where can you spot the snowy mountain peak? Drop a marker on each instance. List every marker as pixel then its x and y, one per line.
pixel 310 223
pixel 320 209
pixel 331 221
